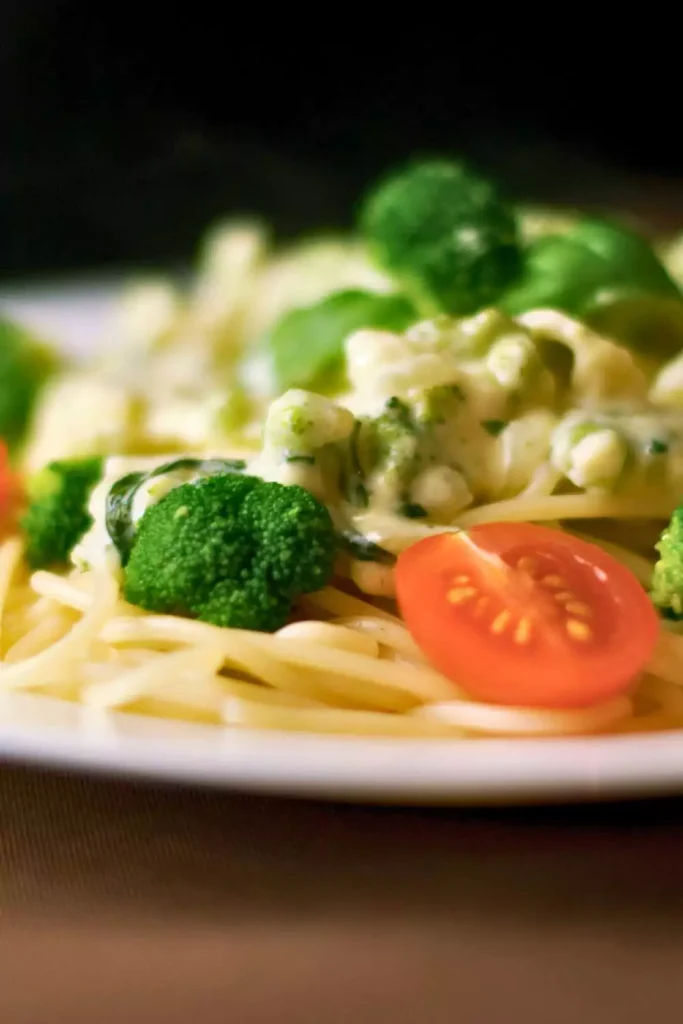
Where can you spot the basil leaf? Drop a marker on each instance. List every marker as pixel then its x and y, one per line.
pixel 363 549
pixel 308 343
pixel 605 274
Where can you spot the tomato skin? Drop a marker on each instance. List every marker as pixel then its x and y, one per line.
pixel 525 615
pixel 11 494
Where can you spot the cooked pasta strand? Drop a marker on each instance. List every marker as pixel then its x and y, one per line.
pixel 10 560
pixel 356 723
pixel 569 506
pixel 351 668
pixel 510 721
pixel 35 670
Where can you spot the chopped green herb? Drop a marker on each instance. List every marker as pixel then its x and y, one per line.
pixel 309 460
pixel 657 447
pixel 399 410
pixel 119 506
pixel 358 494
pixel 365 550
pixel 352 480
pixel 412 510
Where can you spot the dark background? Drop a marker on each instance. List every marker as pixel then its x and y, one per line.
pixel 127 128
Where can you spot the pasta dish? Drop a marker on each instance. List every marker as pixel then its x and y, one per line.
pixel 423 480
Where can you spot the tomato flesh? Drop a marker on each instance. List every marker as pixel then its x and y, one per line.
pixel 10 493
pixel 522 614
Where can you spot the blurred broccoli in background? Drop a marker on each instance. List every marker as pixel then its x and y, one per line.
pixel 25 366
pixel 667 576
pixel 445 234
pixel 57 515
pixel 404 457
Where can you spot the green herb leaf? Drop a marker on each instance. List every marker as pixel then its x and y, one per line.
pixel 607 275
pixel 309 343
pixel 412 510
pixel 308 460
pixel 363 549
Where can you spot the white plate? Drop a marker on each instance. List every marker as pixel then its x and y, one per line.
pixel 407 771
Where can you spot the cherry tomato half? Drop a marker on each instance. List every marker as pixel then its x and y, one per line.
pixel 522 614
pixel 10 493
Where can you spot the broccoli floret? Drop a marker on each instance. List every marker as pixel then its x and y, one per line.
pixel 25 366
pixel 57 515
pixel 394 444
pixel 667 576
pixel 444 233
pixel 403 456
pixel 231 550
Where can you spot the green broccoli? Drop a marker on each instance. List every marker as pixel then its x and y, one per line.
pixel 25 366
pixel 57 516
pixel 393 445
pixel 406 436
pixel 667 576
pixel 307 344
pixel 444 233
pixel 231 550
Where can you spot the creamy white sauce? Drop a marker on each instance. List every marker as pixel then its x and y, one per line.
pixel 597 429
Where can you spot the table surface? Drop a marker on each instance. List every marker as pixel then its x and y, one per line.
pixel 127 902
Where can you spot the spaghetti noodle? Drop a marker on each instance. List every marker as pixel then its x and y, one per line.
pixel 411 429
pixel 348 667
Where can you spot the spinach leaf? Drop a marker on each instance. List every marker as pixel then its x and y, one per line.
pixel 308 344
pixel 119 507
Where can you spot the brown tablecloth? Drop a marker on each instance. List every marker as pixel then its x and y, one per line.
pixel 126 902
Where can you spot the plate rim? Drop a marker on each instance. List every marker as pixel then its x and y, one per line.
pixel 46 731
